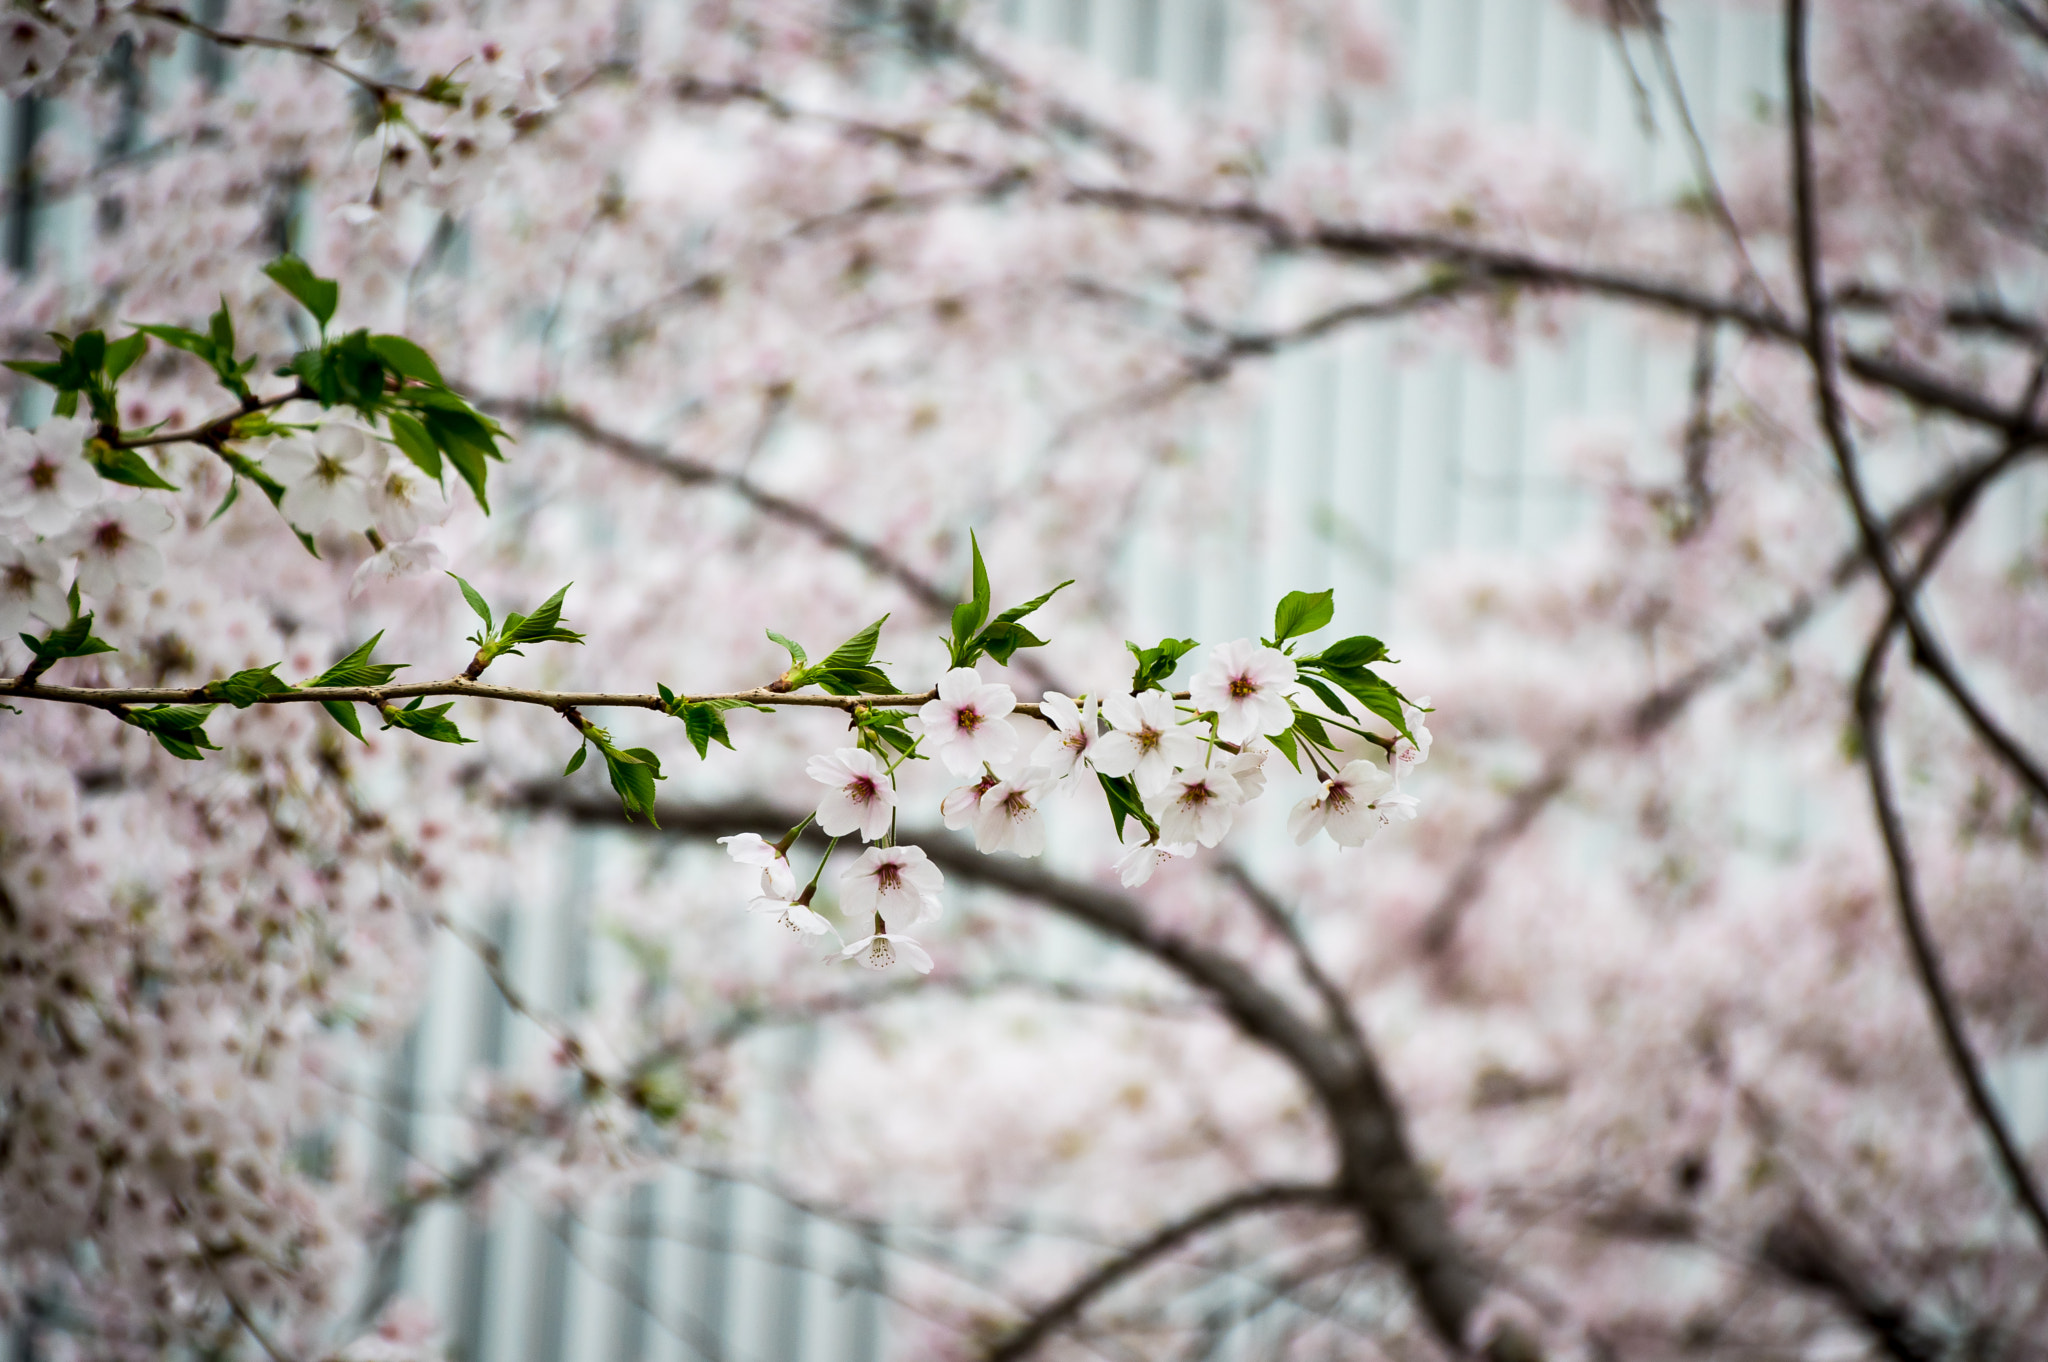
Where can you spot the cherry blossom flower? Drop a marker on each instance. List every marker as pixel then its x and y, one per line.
pixel 892 882
pixel 1147 740
pixel 966 723
pixel 1136 865
pixel 401 499
pixel 31 587
pixel 788 909
pixel 1395 807
pixel 1195 806
pixel 1343 807
pixel 1007 819
pixel 960 806
pixel 1405 756
pixel 1248 769
pixel 327 478
pixel 1246 686
pixel 883 949
pixel 750 848
pixel 116 546
pixel 44 478
pixel 1067 749
pixel 858 797
pixel 396 563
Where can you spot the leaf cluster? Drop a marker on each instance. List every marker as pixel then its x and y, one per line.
pixel 1339 676
pixel 88 365
pixel 633 770
pixel 216 346
pixel 493 641
pixel 355 670
pixel 178 729
pixel 389 378
pixel 71 639
pixel 1157 663
pixel 431 721
pixel 703 720
pixel 849 669
pixel 974 633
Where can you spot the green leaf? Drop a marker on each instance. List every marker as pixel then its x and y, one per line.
pixel 468 462
pixel 344 713
pixel 296 277
pixel 401 356
pixel 633 774
pixel 245 688
pixel 857 651
pixel 431 723
pixel 65 405
pixel 178 338
pixel 1302 612
pixel 254 472
pixel 1311 728
pixel 543 625
pixel 179 729
pixel 797 657
pixel 1157 663
pixel 73 639
pixel 1124 802
pixel 1360 650
pixel 57 374
pixel 220 329
pixel 476 602
pixel 1372 692
pixel 123 466
pixel 575 762
pixel 89 351
pixel 357 670
pixel 969 615
pixel 1323 693
pixel 705 725
pixel 851 681
pixel 412 437
pixel 234 495
pixel 1003 638
pixel 1018 612
pixel 1284 740
pixel 123 353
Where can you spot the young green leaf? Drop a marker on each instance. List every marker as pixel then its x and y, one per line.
pixel 401 356
pixel 344 713
pixel 576 761
pixel 1302 612
pixel 124 466
pixel 178 729
pixel 1372 692
pixel 357 670
pixel 411 437
pixel 428 723
pixel 123 353
pixel 1125 803
pixel 476 602
pixel 245 688
pixel 318 296
pixel 543 625
pixel 633 774
pixel 1360 650
pixel 797 657
pixel 1157 663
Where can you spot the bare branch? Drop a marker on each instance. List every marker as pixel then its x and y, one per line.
pixel 1869 701
pixel 383 91
pixel 1063 1309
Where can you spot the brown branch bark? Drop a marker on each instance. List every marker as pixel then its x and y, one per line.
pixel 1902 613
pixel 1378 1177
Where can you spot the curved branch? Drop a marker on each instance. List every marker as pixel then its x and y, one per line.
pixel 106 697
pixel 1378 1174
pixel 383 91
pixel 1065 1308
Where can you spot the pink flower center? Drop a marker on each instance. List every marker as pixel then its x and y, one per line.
pixel 1146 738
pixel 862 790
pixel 1015 804
pixel 967 718
pixel 888 876
pixel 882 953
pixel 42 475
pixel 110 537
pixel 20 580
pixel 1242 686
pixel 1197 794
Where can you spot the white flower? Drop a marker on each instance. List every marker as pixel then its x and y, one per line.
pixel 892 882
pixel 401 499
pixel 789 910
pixel 1405 756
pixel 1195 806
pixel 1343 808
pixel 1395 808
pixel 966 723
pixel 960 806
pixel 1248 769
pixel 1136 865
pixel 1007 819
pixel 44 478
pixel 749 848
pixel 327 479
pixel 1066 750
pixel 1147 740
pixel 859 796
pixel 1246 685
pixel 395 563
pixel 116 546
pixel 882 950
pixel 31 585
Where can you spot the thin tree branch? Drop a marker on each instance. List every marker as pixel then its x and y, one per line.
pixel 1282 922
pixel 1063 1309
pixel 1378 1175
pixel 1869 701
pixel 383 91
pixel 107 697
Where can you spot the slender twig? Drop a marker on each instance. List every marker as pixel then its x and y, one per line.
pixel 379 696
pixel 384 91
pixel 1277 917
pixel 1066 1307
pixel 1869 704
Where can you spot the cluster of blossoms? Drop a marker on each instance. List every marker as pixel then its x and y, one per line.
pixel 1174 767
